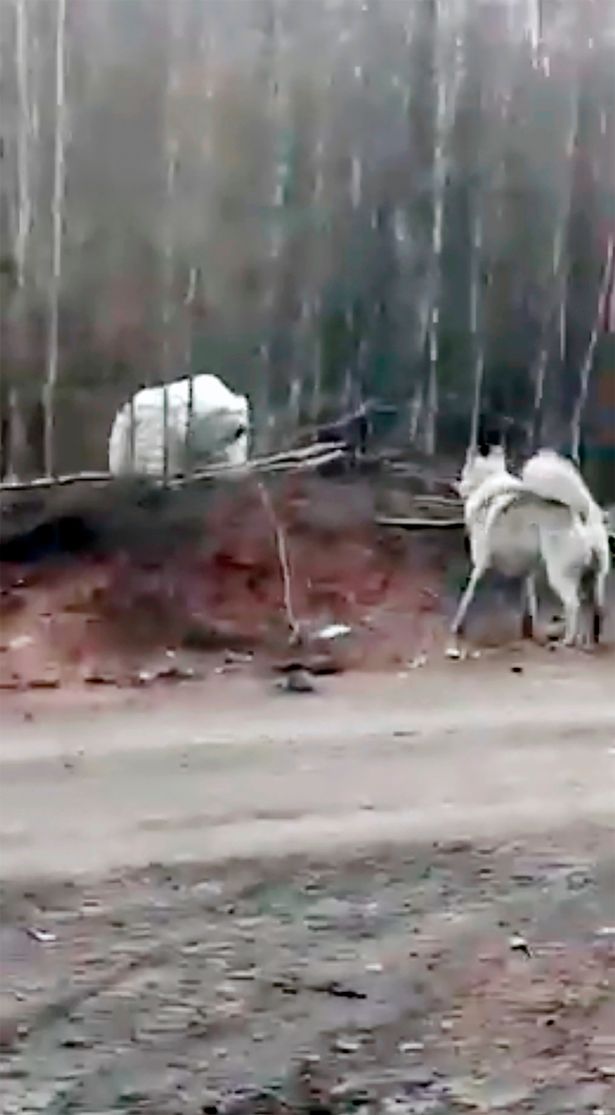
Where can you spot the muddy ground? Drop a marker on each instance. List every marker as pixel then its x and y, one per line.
pixel 396 895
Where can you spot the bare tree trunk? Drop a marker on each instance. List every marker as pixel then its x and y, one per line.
pixel 446 105
pixel 318 196
pixel 316 391
pixel 264 418
pixel 24 208
pixel 587 365
pixel 535 25
pixel 193 279
pixel 557 306
pixel 478 351
pixel 415 413
pixel 431 410
pixel 540 370
pixel 168 269
pixel 17 442
pixel 17 439
pixel 49 397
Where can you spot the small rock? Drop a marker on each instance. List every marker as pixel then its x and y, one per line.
pixel 298 681
pixel 416 663
pixel 143 677
pixel 76 1042
pixel 236 658
pixel 20 642
pixel 398 1105
pixel 330 912
pixel 227 990
pixel 516 669
pixel 346 1045
pixel 490 1095
pixel 519 944
pixel 333 631
pixel 97 677
pixel 350 1090
pixel 45 681
pixel 178 673
pixel 43 936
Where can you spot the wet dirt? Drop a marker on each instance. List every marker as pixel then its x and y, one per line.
pixel 395 895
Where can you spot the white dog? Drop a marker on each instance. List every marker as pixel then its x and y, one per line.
pixel 216 431
pixel 548 518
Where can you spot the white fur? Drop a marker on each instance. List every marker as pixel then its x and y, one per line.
pixel 548 517
pixel 483 479
pixel 555 478
pixel 478 468
pixel 217 415
pixel 480 498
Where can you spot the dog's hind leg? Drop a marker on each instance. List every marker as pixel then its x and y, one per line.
pixel 530 607
pixel 598 604
pixel 566 587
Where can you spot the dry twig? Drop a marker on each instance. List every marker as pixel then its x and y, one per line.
pixel 283 558
pixel 420 524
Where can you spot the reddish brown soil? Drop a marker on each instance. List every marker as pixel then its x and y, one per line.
pixel 224 590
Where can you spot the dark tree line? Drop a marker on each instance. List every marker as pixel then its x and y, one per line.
pixel 323 201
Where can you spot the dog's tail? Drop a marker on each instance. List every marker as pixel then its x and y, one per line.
pixel 556 479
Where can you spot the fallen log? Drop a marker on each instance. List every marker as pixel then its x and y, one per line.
pixel 311 456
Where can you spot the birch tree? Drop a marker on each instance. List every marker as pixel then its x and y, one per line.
pixel 57 214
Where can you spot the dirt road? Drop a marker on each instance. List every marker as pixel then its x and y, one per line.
pixel 230 770
pixel 341 876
